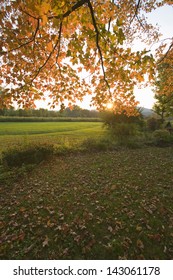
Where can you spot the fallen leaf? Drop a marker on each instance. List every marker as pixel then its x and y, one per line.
pixel 155 237
pixel 110 228
pixel 140 244
pixel 138 228
pixel 45 242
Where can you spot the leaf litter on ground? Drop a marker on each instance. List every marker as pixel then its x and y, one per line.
pixel 109 205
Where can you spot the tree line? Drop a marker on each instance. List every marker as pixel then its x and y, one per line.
pixel 74 112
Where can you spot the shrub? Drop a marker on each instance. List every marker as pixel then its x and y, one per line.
pixel 123 131
pixel 153 124
pixel 123 127
pixel 29 154
pixel 161 137
pixel 110 119
pixel 161 134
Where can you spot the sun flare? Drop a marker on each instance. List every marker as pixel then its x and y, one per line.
pixel 109 105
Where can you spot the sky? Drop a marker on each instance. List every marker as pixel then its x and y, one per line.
pixel 163 17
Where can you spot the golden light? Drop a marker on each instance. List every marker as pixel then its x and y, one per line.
pixel 109 105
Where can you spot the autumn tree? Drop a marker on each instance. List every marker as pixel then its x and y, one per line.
pixel 164 87
pixel 49 45
pixel 163 106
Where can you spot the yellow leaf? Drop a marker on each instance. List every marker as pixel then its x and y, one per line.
pixel 45 7
pixel 44 20
pixel 49 46
pixel 138 228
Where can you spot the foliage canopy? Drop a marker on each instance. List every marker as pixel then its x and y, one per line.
pixel 164 88
pixel 50 45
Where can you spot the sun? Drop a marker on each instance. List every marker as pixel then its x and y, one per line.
pixel 109 105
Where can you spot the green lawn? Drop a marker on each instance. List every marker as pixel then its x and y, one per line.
pixel 18 133
pixel 108 205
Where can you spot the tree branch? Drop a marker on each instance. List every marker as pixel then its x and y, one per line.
pixel 97 41
pixel 165 55
pixel 58 43
pixel 109 24
pixel 72 9
pixel 59 40
pixel 136 11
pixel 28 14
pixel 26 43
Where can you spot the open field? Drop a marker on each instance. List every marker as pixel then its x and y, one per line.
pixel 109 205
pixel 18 133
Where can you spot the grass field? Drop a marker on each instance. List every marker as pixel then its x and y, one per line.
pixel 18 133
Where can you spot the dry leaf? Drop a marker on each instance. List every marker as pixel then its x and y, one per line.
pixel 140 244
pixel 45 242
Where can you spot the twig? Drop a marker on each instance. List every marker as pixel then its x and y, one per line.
pixel 136 11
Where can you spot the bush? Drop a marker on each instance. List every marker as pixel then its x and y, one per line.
pixel 110 119
pixel 123 131
pixel 29 154
pixel 123 127
pixel 161 137
pixel 153 124
pixel 161 134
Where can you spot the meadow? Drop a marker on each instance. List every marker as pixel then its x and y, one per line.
pixel 19 133
pixel 111 204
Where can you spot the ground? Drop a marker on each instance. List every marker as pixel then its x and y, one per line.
pixel 106 205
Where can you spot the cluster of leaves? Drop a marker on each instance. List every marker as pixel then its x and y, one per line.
pixel 162 138
pixel 163 106
pixel 111 205
pixel 47 44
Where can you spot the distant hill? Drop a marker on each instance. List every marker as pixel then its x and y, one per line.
pixel 146 112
